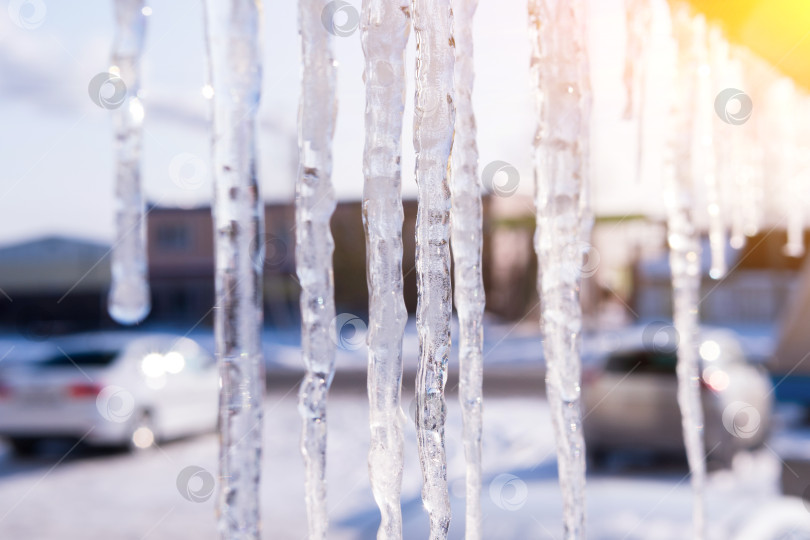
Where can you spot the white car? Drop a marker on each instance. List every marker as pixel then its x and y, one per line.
pixel 110 389
pixel 630 400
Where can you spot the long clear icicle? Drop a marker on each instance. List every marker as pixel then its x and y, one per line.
pixel 756 77
pixel 738 184
pixel 785 108
pixel 129 299
pixel 385 26
pixel 801 167
pixel 434 120
pixel 712 149
pixel 466 244
pixel 234 65
pixel 684 243
pixel 638 17
pixel 315 203
pixel 560 76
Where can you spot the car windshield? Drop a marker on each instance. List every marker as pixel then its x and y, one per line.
pixel 642 362
pixel 82 359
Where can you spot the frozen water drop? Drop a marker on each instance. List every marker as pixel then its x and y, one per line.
pixel 129 300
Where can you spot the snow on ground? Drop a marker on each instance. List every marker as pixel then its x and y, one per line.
pixel 92 496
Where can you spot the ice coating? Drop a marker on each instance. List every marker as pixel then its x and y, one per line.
pixel 234 66
pixel 129 299
pixel 314 204
pixel 385 26
pixel 560 75
pixel 785 106
pixel 684 243
pixel 466 244
pixel 638 19
pixel 434 119
pixel 713 150
pixel 755 77
pixel 736 174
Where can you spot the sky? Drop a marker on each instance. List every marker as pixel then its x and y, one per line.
pixel 56 160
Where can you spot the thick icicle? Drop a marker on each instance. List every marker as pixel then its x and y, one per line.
pixel 129 300
pixel 234 65
pixel 785 108
pixel 737 184
pixel 385 26
pixel 466 244
pixel 684 243
pixel 315 202
pixel 713 149
pixel 756 77
pixel 559 70
pixel 638 17
pixel 434 119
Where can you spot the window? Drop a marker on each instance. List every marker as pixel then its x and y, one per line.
pixel 173 237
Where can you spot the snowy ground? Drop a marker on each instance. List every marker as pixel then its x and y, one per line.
pixel 90 496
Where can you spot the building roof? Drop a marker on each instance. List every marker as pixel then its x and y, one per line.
pixel 54 263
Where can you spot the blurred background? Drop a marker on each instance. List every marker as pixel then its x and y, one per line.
pixel 109 432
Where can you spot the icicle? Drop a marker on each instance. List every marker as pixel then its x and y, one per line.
pixel 801 166
pixel 434 119
pixel 561 79
pixel 385 28
pixel 638 15
pixel 712 140
pixel 234 65
pixel 129 300
pixel 752 143
pixel 684 243
pixel 785 110
pixel 315 203
pixel 466 247
pixel 738 185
